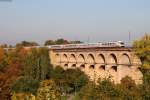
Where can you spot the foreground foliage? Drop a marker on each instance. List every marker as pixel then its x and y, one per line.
pixel 48 91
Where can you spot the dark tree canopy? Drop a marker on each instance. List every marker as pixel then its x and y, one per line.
pixel 60 41
pixel 26 43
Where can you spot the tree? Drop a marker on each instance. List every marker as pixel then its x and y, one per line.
pixel 73 82
pixel 25 85
pixel 61 41
pixel 129 90
pixel 36 63
pixel 3 62
pixel 4 46
pixel 49 42
pixel 142 49
pixel 26 43
pixel 48 91
pixel 44 62
pixel 7 78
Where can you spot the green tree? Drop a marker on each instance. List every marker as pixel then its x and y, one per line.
pixel 36 63
pixel 129 90
pixel 61 41
pixel 25 85
pixel 75 79
pixel 26 43
pixel 49 42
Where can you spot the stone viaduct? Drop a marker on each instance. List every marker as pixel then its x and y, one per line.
pixel 100 62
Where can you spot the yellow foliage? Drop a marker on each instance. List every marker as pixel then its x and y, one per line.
pixel 142 49
pixel 48 91
pixel 22 96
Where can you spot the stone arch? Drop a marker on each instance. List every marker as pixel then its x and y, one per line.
pixel 124 68
pixel 72 58
pixel 65 66
pixel 81 58
pixel 112 61
pixel 64 58
pixel 90 59
pixel 125 60
pixel 91 67
pixel 57 56
pixel 102 67
pixel 73 65
pixel 82 67
pixel 100 59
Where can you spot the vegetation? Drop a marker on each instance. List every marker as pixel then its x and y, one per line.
pixel 29 75
pixel 142 49
pixel 106 90
pixel 60 41
pixel 48 91
pixel 26 43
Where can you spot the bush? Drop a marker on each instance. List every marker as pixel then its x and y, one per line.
pixel 25 85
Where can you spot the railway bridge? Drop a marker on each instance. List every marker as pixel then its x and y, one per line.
pixel 100 62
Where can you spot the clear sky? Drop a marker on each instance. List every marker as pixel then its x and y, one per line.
pixel 100 20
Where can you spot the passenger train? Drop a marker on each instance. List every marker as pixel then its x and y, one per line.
pixel 88 45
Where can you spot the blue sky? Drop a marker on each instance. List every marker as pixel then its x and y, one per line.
pixel 98 20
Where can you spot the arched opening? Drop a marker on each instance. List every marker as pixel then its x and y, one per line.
pixel 125 60
pixel 57 56
pixel 72 58
pixel 102 67
pixel 90 59
pixel 100 59
pixel 82 66
pixel 64 58
pixel 66 65
pixel 113 62
pixel 112 59
pixel 91 67
pixel 81 58
pixel 125 66
pixel 73 65
pixel 114 68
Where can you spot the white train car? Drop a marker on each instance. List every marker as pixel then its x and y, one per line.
pixel 88 45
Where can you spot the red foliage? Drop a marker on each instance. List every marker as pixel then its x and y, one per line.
pixel 7 77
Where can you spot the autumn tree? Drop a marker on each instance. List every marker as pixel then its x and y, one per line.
pixel 142 49
pixel 48 91
pixel 36 65
pixel 9 75
pixel 3 61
